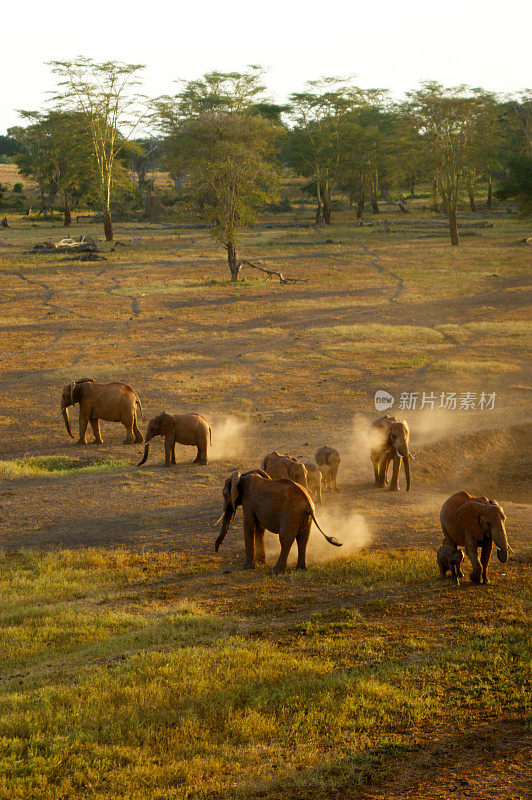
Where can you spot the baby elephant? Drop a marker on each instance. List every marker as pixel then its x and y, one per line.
pixel 279 466
pixel 313 480
pixel 449 560
pixel 190 429
pixel 328 461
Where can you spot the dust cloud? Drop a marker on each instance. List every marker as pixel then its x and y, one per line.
pixel 351 529
pixel 229 439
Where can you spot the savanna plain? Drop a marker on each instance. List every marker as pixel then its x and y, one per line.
pixel 135 662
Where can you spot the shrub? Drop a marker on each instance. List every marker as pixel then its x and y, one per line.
pixel 17 188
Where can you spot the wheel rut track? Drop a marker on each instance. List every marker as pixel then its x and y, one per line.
pixel 374 261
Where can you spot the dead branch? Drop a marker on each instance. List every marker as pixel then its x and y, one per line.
pixel 271 272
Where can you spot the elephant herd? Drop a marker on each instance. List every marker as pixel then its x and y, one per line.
pixel 279 497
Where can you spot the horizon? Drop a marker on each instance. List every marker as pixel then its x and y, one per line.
pixel 493 54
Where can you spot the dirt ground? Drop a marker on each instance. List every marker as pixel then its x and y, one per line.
pixel 277 367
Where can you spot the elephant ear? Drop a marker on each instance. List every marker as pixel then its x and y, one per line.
pixel 167 423
pixel 235 479
pixel 469 516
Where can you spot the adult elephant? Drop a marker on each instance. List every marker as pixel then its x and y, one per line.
pixel 279 506
pixel 389 438
pixel 472 522
pixel 278 466
pixel 187 429
pixel 112 402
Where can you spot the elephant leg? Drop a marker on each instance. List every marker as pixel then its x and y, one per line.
pixel 168 445
pixel 302 540
pixel 375 461
pixel 260 553
pixel 395 474
pixel 138 433
pixel 472 554
pixel 83 422
pixel 95 425
pixel 249 542
pixel 333 478
pixel 383 469
pixel 172 457
pixel 201 457
pixel 287 537
pixel 485 554
pixel 130 439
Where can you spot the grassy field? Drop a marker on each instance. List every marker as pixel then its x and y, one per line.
pixel 135 661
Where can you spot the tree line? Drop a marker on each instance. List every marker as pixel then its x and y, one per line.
pixel 223 139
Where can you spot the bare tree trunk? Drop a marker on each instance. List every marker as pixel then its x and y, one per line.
pixel 107 225
pixel 43 202
pixel 490 190
pixel 471 193
pixel 327 204
pixel 453 225
pixel 361 202
pixel 66 211
pixel 374 189
pixel 232 260
pixel 412 187
pixel 319 209
pixel 435 200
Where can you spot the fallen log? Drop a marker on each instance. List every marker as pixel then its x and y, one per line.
pixel 270 272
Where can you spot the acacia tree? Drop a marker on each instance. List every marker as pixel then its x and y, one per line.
pixel 447 121
pixel 33 158
pixel 101 94
pixel 226 147
pixel 320 141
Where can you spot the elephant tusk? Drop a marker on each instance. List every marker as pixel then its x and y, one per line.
pixel 219 519
pixel 412 456
pixel 510 548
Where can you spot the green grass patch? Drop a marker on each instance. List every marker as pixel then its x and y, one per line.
pixel 58 466
pixel 111 692
pixel 384 568
pixel 373 331
pixel 475 366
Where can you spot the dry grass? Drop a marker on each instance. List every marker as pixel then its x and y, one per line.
pixel 149 666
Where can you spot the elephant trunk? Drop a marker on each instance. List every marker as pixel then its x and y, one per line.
pixel 501 543
pixel 64 412
pixel 228 517
pixel 406 464
pixel 145 456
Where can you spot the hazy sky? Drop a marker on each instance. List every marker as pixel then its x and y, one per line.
pixel 385 43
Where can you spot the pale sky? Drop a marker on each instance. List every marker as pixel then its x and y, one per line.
pixel 386 43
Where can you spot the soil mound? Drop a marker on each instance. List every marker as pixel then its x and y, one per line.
pixel 494 462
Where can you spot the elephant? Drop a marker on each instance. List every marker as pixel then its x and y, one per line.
pixel 189 429
pixel 328 461
pixel 389 439
pixel 279 466
pixel 472 522
pixel 450 559
pixel 313 480
pixel 280 506
pixel 112 402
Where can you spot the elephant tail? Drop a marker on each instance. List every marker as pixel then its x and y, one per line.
pixel 330 539
pixel 139 404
